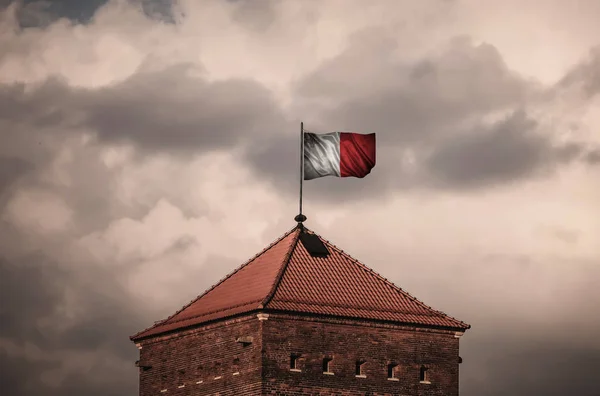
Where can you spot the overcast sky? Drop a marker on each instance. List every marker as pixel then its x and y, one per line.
pixel 146 150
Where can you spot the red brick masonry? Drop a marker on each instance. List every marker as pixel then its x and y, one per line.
pixel 204 361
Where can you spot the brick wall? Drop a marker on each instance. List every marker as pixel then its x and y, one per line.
pixel 204 354
pixel 347 342
pixel 264 365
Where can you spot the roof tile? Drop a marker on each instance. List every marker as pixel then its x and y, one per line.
pixel 286 277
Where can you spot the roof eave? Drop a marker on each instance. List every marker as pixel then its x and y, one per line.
pixel 463 327
pixel 146 334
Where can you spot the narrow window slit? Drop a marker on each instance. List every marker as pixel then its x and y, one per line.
pixel 294 358
pixel 359 371
pixel 424 375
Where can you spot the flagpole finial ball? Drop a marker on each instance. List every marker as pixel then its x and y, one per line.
pixel 300 218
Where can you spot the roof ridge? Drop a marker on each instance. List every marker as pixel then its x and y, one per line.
pixel 284 266
pixel 160 322
pixel 390 284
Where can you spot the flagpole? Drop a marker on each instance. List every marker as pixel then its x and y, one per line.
pixel 301 162
pixel 300 218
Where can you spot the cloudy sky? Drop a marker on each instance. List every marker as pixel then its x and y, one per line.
pixel 149 148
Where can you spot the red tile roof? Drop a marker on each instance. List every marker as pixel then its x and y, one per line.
pixel 285 277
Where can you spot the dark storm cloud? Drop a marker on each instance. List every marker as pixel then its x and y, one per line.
pixel 21 304
pixel 412 101
pixel 508 150
pixel 170 111
pixel 255 15
pixel 164 110
pixel 34 286
pixel 162 10
pixel 44 105
pixel 33 289
pixel 523 366
pixel 10 170
pixel 433 105
pixel 593 157
pixel 36 124
pixel 40 13
pixel 586 74
pixel 433 108
pixel 22 377
pixel 173 110
pixel 535 337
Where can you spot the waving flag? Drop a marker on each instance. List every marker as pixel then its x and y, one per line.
pixel 341 154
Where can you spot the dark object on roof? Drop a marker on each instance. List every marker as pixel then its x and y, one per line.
pixel 313 245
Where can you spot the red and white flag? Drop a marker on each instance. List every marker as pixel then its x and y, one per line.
pixel 341 154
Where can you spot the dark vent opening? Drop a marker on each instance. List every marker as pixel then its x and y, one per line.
pixel 313 245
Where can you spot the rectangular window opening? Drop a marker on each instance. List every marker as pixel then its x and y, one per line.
pixel 360 368
pixel 424 375
pixel 392 369
pixel 294 358
pixel 327 365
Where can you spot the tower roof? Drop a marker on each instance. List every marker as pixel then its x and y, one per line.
pixel 294 274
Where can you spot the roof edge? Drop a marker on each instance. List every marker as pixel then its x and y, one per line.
pixel 248 313
pixel 461 329
pixel 297 313
pixel 139 334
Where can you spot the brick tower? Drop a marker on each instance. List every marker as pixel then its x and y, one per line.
pixel 301 318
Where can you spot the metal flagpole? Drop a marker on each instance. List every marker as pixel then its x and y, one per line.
pixel 301 162
pixel 300 218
